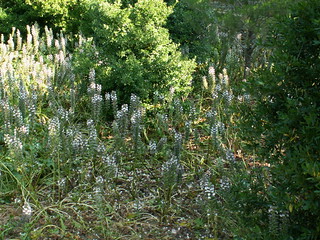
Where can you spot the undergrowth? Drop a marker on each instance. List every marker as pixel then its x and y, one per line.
pixel 170 169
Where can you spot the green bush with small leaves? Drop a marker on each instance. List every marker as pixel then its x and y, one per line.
pixel 286 117
pixel 136 53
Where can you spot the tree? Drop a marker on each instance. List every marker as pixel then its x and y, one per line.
pixel 56 14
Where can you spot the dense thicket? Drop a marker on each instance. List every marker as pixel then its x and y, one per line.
pixel 288 109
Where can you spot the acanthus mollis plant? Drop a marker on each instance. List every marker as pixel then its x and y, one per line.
pixel 96 99
pixel 136 118
pixel 38 98
pixel 219 116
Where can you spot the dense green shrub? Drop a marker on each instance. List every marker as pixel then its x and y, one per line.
pixel 286 117
pixel 193 25
pixel 14 13
pixel 58 15
pixel 136 53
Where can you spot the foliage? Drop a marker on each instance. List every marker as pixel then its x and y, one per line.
pixel 54 13
pixel 193 25
pixel 232 160
pixel 14 13
pixel 225 34
pixel 287 115
pixel 58 15
pixel 136 53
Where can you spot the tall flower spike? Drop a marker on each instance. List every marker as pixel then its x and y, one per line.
pixel 153 147
pixel 11 43
pixel 114 102
pixel 134 103
pixel 29 38
pixel 63 43
pixel 212 77
pixel 49 37
pixel 19 40
pixel 225 77
pixel 35 34
pixel 177 144
pixel 204 82
pixel 92 75
pixel 57 44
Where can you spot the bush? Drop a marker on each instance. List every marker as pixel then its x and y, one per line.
pixel 286 117
pixel 56 14
pixel 136 53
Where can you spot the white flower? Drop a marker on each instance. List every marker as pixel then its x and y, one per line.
pixel 26 209
pixel 152 147
pixel 96 99
pixel 211 72
pixel 230 156
pixel 207 187
pixel 90 123
pixel 54 126
pixel 92 74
